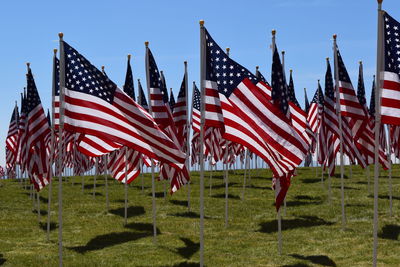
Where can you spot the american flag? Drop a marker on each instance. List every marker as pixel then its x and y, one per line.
pixel 2 173
pixel 195 122
pixel 390 101
pixel 129 88
pixel 12 139
pixel 171 100
pixel 246 113
pixel 180 114
pixel 315 110
pixel 37 131
pixel 262 83
pixel 95 106
pixel 141 99
pixel 21 155
pixel 162 114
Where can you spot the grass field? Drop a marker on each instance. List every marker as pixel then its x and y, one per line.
pixel 312 234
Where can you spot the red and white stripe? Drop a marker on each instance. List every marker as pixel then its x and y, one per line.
pixel 390 101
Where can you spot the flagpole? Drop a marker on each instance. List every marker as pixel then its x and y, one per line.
pixel 340 131
pixel 379 65
pixel 202 122
pixel 279 210
pixel 126 186
pixel 52 145
pixel 153 187
pixel 60 147
pixel 246 159
pixel 106 178
pixel 96 170
pixel 284 74
pixel 187 129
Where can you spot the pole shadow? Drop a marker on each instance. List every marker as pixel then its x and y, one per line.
pixel 316 259
pixel 131 212
pixel 289 224
pixel 230 196
pixel 43 226
pixel 157 194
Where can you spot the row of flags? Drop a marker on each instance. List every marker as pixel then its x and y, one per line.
pixel 95 123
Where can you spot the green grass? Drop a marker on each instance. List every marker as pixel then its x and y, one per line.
pixel 312 234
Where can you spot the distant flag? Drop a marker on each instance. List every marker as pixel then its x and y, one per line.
pixel 141 99
pixel 12 139
pixel 262 83
pixel 95 106
pixel 171 100
pixel 180 114
pixel 38 130
pixel 390 101
pixel 129 88
pixel 315 109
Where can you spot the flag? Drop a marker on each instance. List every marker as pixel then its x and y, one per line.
pixel 38 130
pixel 245 112
pixel 180 114
pixel 171 100
pixel 95 106
pixel 129 88
pixel 141 99
pixel 390 101
pixel 12 139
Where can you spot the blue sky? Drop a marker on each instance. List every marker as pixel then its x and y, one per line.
pixel 106 31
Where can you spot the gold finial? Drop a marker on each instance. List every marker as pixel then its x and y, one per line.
pixel 201 22
pixel 379 1
pixel 102 68
pixel 291 71
pixel 227 49
pixel 334 37
pixel 129 56
pixel 146 43
pixel 55 51
pixel 327 59
pixel 360 62
pixel 60 35
pixel 273 32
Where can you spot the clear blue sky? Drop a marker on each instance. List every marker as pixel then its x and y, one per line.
pixel 106 31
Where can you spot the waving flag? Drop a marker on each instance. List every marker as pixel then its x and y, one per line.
pixel 95 106
pixel 12 139
pixel 129 88
pixel 390 101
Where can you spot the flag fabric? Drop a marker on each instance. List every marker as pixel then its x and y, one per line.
pixel 12 139
pixel 171 100
pixel 180 115
pixel 95 106
pixel 245 112
pixel 141 99
pixel 161 111
pixel 390 79
pixel 129 88
pixel 37 131
pixel 263 83
pixel 21 155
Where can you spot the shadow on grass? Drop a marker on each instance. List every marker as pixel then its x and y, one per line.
pixel 385 197
pixel 189 249
pixel 301 200
pixel 131 212
pixel 2 260
pixel 221 177
pixel 316 259
pixel 43 226
pixel 43 199
pixel 259 187
pixel 310 180
pixel 361 182
pixel 218 186
pixel 157 194
pixel 108 240
pixel 305 197
pixel 223 196
pixel 188 214
pixel 182 203
pixel 144 227
pixel 346 188
pixel 91 186
pixel 337 175
pixel 185 264
pixel 42 212
pixel 390 231
pixel 301 222
pixel 356 205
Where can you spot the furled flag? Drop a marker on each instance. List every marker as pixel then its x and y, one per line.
pixel 315 110
pixel 390 86
pixel 95 106
pixel 141 99
pixel 171 100
pixel 129 88
pixel 21 155
pixel 38 130
pixel 245 112
pixel 180 115
pixel 12 139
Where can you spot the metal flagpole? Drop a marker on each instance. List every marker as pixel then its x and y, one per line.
pixel 141 173
pixel 126 187
pixel 279 210
pixel 188 119
pixel 106 178
pixel 96 167
pixel 389 157
pixel 379 66
pixel 52 146
pixel 202 122
pixel 283 67
pixel 153 186
pixel 211 170
pixel 340 131
pixel 60 147
pixel 226 173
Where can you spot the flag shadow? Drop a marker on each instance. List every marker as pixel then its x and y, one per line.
pixel 189 249
pixel 316 259
pixel 289 224
pixel 296 265
pixel 109 240
pixel 144 227
pixel 390 231
pixel 43 226
pixel 157 194
pixel 131 212
pixel 182 203
pixel 310 180
pixel 218 186
pixel 91 186
pixel 2 260
pixel 185 264
pixel 42 212
pixel 188 214
pixel 230 196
